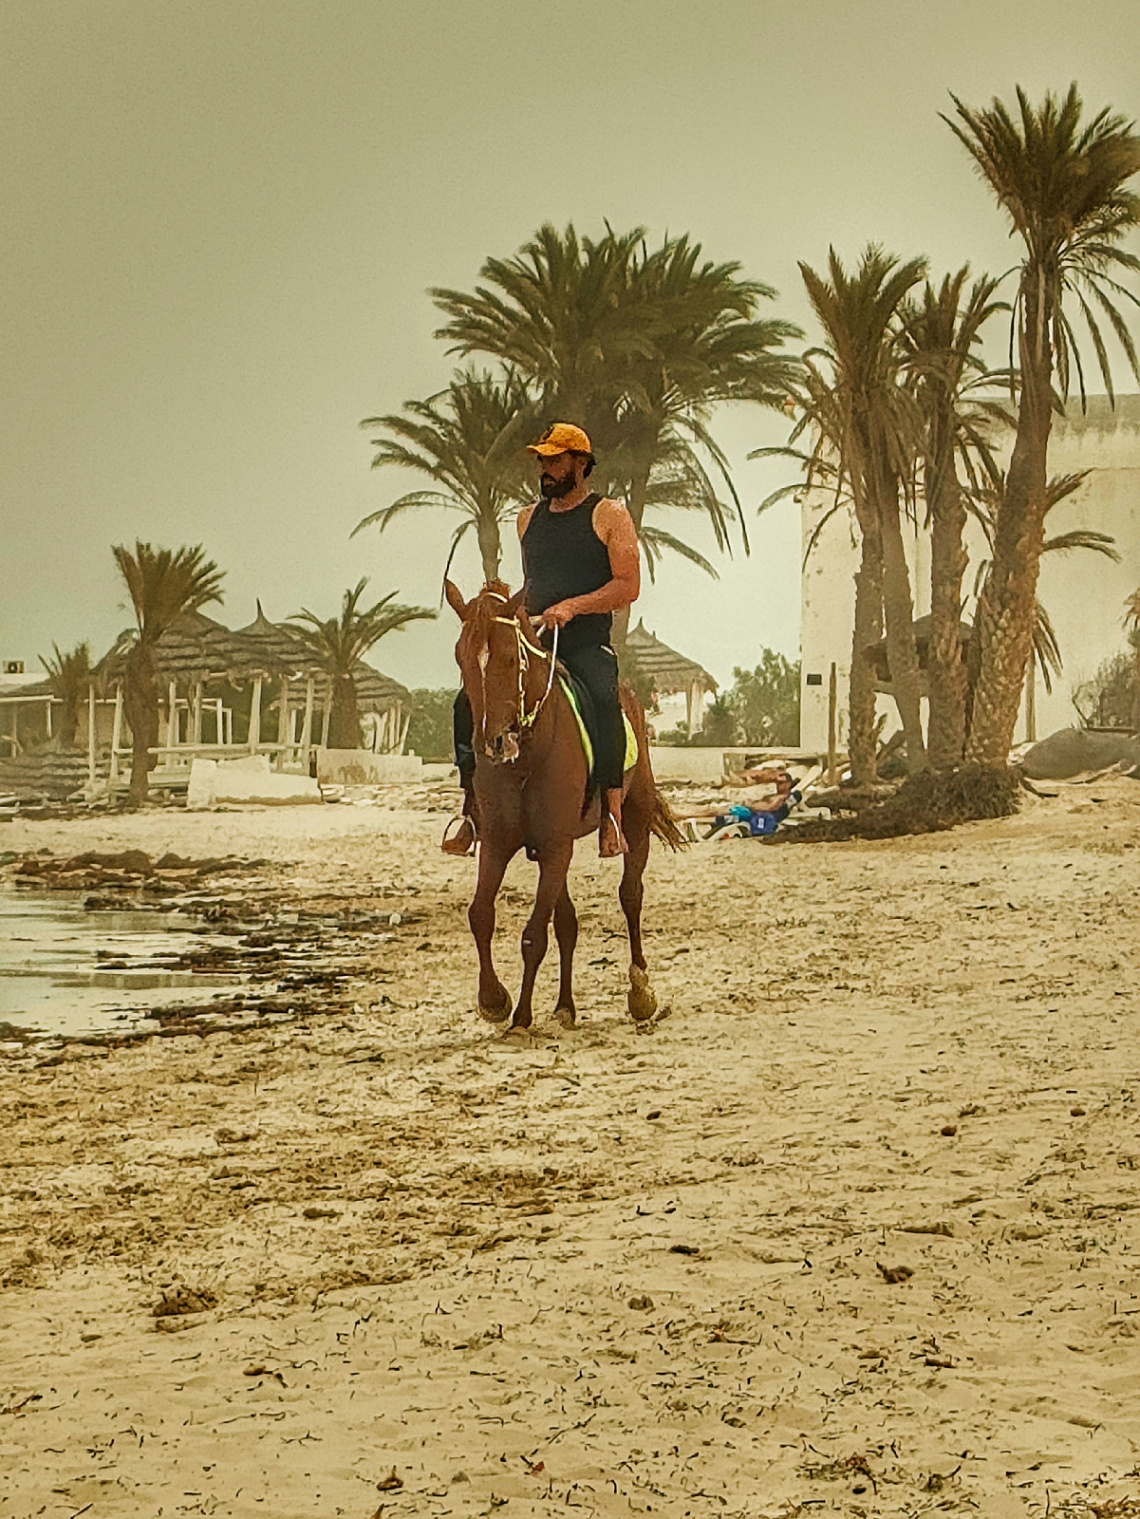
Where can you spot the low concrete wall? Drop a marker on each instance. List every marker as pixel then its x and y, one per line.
pixel 670 764
pixel 360 767
pixel 438 771
pixel 246 780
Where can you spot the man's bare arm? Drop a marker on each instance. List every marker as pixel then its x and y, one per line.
pixel 614 526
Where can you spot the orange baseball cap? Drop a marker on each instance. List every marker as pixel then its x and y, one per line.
pixel 561 438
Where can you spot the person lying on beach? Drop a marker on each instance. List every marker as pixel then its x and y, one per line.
pixel 761 818
pixel 756 775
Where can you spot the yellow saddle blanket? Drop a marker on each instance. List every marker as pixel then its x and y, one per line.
pixel 587 746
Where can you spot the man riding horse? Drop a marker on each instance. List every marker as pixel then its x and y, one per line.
pixel 580 565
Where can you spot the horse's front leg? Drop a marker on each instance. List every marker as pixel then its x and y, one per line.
pixel 494 999
pixel 566 932
pixel 641 1000
pixel 553 864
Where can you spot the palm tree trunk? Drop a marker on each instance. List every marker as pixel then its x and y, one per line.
pixel 899 608
pixel 69 721
pixel 868 632
pixel 140 701
pixel 344 720
pixel 946 673
pixel 490 547
pixel 1006 618
pixel 638 490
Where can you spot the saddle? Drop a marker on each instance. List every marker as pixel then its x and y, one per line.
pixel 586 717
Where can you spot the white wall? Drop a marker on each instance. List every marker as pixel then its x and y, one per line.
pixel 1084 593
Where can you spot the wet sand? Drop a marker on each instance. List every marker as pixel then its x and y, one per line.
pixel 605 1271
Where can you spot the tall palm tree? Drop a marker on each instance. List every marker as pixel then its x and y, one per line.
pixel 340 643
pixel 1064 188
pixel 702 344
pixel 637 346
pixel 558 314
pixel 162 584
pixel 941 333
pixel 468 440
pixel 1044 647
pixel 69 676
pixel 863 422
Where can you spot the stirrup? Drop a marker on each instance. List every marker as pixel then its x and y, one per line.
pixel 624 849
pixel 462 842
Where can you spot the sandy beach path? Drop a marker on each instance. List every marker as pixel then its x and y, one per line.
pixel 854 1230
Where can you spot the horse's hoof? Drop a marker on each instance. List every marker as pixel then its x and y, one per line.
pixel 566 1016
pixel 641 1000
pixel 499 1013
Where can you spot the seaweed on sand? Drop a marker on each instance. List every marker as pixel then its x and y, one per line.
pixel 929 802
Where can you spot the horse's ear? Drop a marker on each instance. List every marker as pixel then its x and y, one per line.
pixel 514 603
pixel 454 600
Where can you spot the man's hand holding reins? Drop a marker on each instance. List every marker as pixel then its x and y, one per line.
pixel 559 614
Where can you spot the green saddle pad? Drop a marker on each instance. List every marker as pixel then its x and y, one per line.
pixel 587 746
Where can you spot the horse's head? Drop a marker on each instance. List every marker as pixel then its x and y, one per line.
pixel 492 654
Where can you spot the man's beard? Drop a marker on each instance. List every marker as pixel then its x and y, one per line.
pixel 554 490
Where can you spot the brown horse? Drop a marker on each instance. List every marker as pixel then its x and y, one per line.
pixel 531 790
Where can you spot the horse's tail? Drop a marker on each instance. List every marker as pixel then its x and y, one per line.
pixel 664 824
pixel 661 820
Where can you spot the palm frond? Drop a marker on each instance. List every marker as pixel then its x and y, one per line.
pixel 163 584
pixel 1083 538
pixel 656 540
pixel 338 643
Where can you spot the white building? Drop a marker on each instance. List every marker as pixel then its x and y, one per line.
pixel 1084 593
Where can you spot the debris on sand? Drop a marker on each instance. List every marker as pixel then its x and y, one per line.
pixel 893 1275
pixel 929 802
pixel 126 869
pixel 175 1301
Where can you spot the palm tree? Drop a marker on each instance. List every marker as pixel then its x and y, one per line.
pixel 637 346
pixel 1044 648
pixel 468 440
pixel 69 676
pixel 941 332
pixel 863 422
pixel 557 313
pixel 339 644
pixel 1064 189
pixel 704 345
pixel 163 584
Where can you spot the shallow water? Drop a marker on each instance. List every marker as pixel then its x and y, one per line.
pixel 51 977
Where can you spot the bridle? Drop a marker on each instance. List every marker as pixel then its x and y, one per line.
pixel 524 719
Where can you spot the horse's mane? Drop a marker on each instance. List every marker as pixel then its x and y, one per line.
pixel 486 607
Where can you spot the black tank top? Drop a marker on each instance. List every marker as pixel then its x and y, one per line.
pixel 563 557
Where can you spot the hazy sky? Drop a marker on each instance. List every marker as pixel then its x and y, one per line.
pixel 219 220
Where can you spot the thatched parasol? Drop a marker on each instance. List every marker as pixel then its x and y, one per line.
pixel 196 648
pixel 923 627
pixel 647 658
pixel 282 648
pixel 375 691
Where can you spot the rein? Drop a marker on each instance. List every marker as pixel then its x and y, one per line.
pixel 524 719
pixel 525 650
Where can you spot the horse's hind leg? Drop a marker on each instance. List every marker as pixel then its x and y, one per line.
pixel 552 867
pixel 494 999
pixel 641 1001
pixel 566 932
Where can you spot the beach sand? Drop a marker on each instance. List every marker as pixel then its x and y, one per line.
pixel 443 1271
